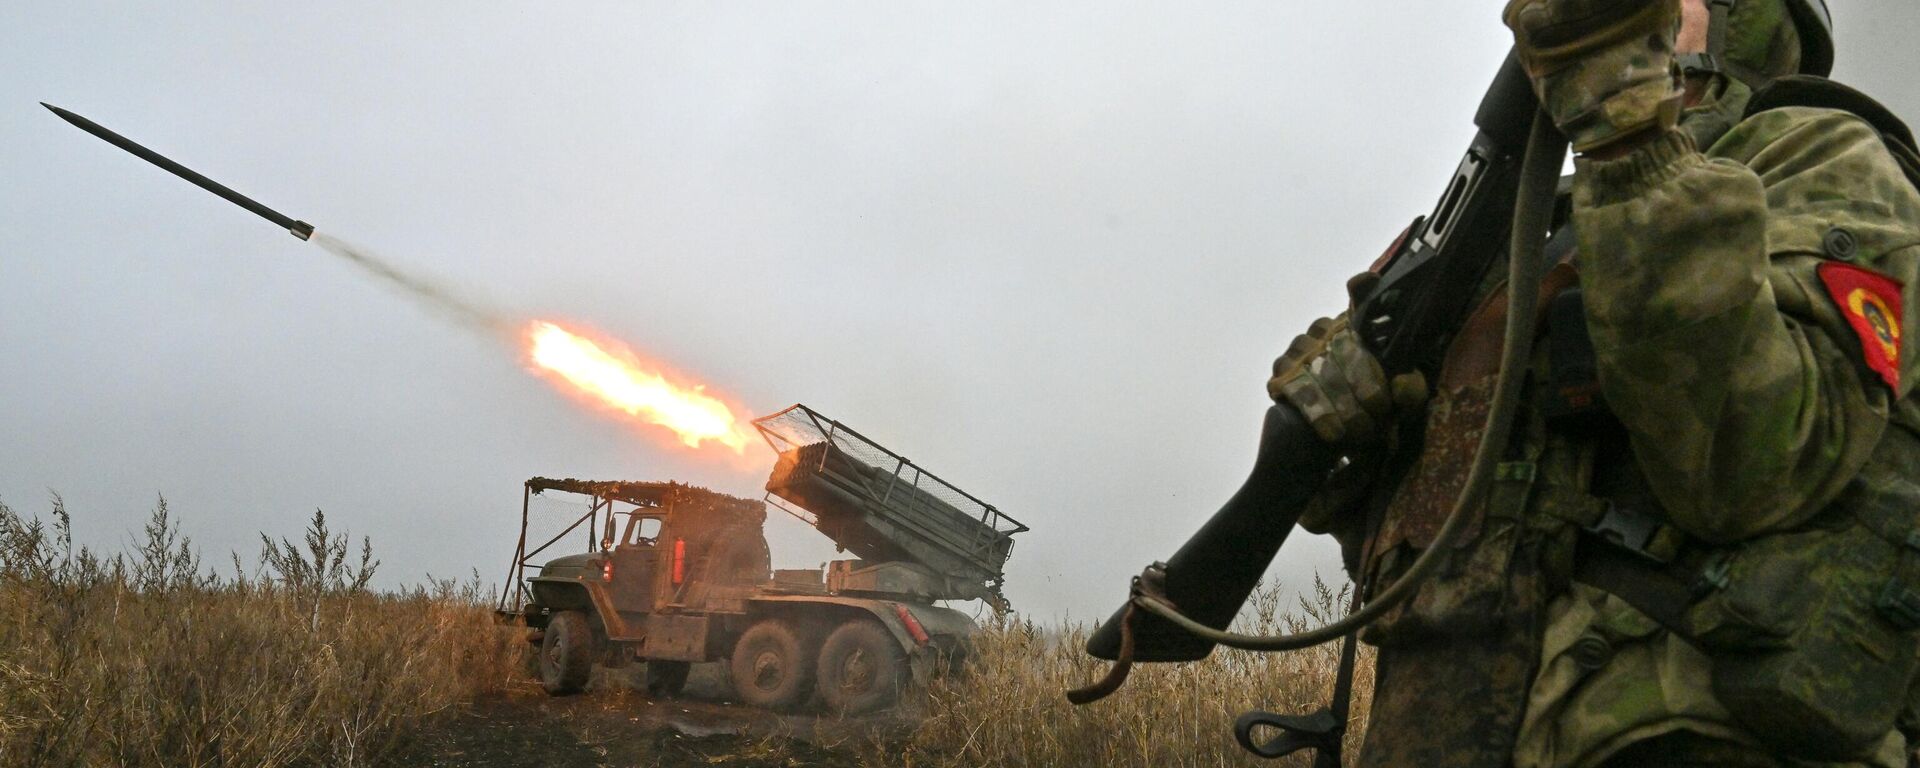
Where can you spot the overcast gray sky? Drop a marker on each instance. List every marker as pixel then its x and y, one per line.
pixel 1046 249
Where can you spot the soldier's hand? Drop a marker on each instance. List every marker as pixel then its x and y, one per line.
pixel 1335 382
pixel 1603 69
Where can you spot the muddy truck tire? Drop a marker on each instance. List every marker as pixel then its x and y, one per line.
pixel 862 668
pixel 772 666
pixel 665 679
pixel 566 653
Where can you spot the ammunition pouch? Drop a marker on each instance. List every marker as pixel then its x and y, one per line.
pixel 1813 632
pixel 1804 656
pixel 1478 586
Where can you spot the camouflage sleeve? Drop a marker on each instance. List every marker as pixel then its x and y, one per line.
pixel 1741 385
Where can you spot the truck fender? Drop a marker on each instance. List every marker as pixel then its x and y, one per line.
pixel 950 639
pixel 560 594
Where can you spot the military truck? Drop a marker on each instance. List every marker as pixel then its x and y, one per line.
pixel 673 575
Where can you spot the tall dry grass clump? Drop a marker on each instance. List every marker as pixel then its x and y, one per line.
pixel 150 659
pixel 1011 710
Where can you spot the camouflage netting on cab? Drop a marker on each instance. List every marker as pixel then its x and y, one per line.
pixel 723 534
pixel 657 494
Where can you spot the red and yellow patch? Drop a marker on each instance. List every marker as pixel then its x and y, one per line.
pixel 1871 302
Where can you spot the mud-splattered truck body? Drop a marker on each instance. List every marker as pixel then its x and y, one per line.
pixel 676 575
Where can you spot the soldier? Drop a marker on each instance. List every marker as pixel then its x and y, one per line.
pixel 1701 548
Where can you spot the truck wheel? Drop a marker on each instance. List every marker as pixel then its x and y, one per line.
pixel 862 668
pixel 665 679
pixel 566 653
pixel 771 667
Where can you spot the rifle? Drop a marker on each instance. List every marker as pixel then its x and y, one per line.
pixel 1407 320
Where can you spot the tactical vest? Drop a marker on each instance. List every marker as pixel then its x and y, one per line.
pixel 1814 633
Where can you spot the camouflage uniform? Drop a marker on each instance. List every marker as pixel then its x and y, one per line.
pixel 1738 379
pixel 1742 404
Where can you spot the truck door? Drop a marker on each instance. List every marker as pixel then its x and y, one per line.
pixel 635 560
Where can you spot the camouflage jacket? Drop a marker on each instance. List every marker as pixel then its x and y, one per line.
pixel 1748 398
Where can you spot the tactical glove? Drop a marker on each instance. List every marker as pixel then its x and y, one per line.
pixel 1335 382
pixel 1603 69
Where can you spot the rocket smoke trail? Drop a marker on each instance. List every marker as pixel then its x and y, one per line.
pixel 607 372
pixel 436 297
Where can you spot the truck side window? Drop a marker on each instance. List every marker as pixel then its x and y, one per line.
pixel 642 531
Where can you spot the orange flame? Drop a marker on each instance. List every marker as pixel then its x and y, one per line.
pixel 611 374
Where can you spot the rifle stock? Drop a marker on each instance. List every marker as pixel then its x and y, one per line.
pixel 1406 321
pixel 1212 574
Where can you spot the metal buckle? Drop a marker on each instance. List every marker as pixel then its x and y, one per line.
pixel 1628 529
pixel 1695 64
pixel 1320 731
pixel 1899 605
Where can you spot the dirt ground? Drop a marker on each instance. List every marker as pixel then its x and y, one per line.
pixel 614 725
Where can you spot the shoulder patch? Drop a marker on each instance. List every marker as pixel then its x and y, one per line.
pixel 1871 303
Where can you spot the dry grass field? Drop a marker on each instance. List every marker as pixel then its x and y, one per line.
pixel 153 658
pixel 1011 711
pixel 149 659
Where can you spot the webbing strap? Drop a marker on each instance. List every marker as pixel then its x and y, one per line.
pixel 1717 28
pixel 1707 62
pixel 1657 591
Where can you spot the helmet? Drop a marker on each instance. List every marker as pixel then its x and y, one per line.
pixel 1815 25
pixel 1758 40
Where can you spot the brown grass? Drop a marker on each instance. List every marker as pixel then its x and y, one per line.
pixel 1011 710
pixel 148 659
